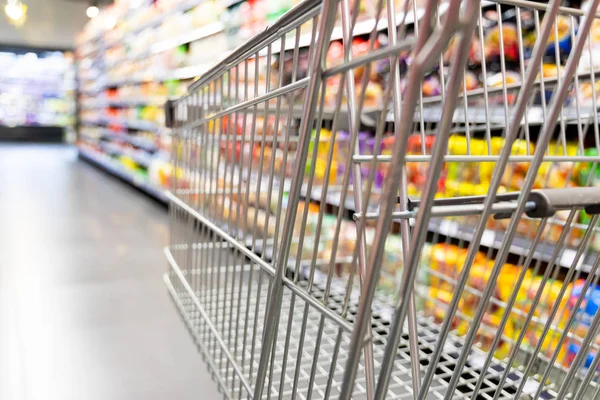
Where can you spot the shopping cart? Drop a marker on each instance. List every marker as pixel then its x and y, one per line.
pixel 363 218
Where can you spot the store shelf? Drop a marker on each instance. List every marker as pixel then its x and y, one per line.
pixel 364 27
pixel 497 115
pixel 136 141
pixel 111 166
pixel 182 73
pixel 154 22
pixel 519 245
pixel 123 102
pixel 136 124
pixel 188 37
pixel 170 43
pixel 141 158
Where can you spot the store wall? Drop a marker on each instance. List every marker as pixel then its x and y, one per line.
pixel 50 23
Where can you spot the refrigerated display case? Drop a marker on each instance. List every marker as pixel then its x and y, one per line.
pixel 37 94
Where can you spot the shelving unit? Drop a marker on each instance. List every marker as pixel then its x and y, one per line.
pixel 123 84
pixel 108 164
pixel 113 75
pixel 37 88
pixel 98 103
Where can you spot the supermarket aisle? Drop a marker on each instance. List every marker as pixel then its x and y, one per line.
pixel 83 310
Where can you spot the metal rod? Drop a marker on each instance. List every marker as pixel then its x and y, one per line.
pixel 312 94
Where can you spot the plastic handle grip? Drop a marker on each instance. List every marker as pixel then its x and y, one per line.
pixel 549 201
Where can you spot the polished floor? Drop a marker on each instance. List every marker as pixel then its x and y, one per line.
pixel 84 313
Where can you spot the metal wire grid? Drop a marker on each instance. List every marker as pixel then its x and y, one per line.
pixel 513 123
pixel 235 307
pixel 219 189
pixel 225 308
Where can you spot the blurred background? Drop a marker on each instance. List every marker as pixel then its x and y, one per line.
pixel 85 161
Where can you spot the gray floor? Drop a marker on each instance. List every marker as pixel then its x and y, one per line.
pixel 83 310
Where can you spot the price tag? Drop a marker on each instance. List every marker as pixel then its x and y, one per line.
pixel 567 258
pixel 448 228
pixel 488 238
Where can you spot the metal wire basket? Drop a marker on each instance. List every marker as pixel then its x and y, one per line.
pixel 408 216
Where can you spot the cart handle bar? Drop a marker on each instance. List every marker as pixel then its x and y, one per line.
pixel 547 201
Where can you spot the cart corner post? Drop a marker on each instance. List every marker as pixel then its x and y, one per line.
pixel 315 73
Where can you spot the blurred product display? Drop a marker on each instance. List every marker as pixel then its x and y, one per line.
pixel 133 59
pixel 37 90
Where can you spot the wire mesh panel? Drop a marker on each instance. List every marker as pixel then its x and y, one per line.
pixel 395 200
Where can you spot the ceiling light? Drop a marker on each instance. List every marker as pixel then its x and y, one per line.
pixel 16 11
pixel 92 11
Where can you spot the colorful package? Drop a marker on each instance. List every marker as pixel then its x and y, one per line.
pixel 342 142
pixel 548 299
pixel 585 314
pixel 416 172
pixel 320 166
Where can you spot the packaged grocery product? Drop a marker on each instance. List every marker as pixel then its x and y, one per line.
pixel 432 86
pixel 498 81
pixel 586 91
pixel 557 174
pixel 475 56
pixel 387 143
pixel 320 164
pixel 585 315
pixel 446 262
pixel 471 81
pixel 510 44
pixel 335 54
pixel 416 172
pixel 478 280
pixel 373 96
pixel 466 178
pixel 276 8
pixel 549 70
pixel 590 58
pixel 392 256
pixel 487 332
pixel 588 174
pixel 342 142
pixel 541 313
pixel 347 239
pixel 365 148
pixel 514 176
pixel 563 28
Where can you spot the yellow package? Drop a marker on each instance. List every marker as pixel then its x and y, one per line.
pixel 556 174
pixel 320 164
pixel 514 174
pixel 548 299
